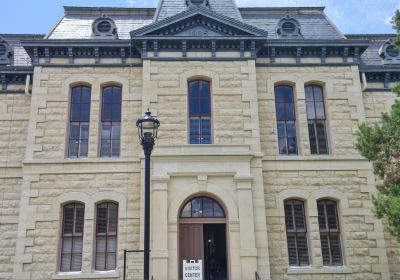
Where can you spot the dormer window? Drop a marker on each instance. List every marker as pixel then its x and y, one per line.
pixel 288 27
pixel 104 27
pixel 5 52
pixel 392 51
pixel 197 3
pixel 389 53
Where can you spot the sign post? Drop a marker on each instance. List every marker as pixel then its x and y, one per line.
pixel 192 270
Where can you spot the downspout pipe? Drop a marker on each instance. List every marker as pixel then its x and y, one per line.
pixel 364 82
pixel 27 83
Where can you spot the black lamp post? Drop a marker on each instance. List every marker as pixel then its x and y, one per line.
pixel 147 130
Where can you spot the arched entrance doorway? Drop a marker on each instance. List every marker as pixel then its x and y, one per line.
pixel 202 236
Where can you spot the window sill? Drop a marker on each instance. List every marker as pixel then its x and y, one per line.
pixel 324 270
pixel 80 275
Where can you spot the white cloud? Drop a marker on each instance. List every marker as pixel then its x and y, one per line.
pixel 388 20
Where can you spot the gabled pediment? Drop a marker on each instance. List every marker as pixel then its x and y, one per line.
pixel 199 22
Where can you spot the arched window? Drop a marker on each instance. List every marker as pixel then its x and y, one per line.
pixel 316 120
pixel 79 122
pixel 199 112
pixel 329 231
pixel 110 122
pixel 296 233
pixel 202 207
pixel 72 237
pixel 286 120
pixel 106 236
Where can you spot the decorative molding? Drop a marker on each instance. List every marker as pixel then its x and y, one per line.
pixel 15 75
pixel 5 52
pixel 224 24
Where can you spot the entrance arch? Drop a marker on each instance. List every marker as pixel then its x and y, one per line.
pixel 202 236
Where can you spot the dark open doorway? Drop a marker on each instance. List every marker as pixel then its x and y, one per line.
pixel 215 252
pixel 202 237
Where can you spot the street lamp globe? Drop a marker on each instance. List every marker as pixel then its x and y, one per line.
pixel 147 127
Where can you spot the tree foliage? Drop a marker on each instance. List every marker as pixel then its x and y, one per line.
pixel 396 26
pixel 380 143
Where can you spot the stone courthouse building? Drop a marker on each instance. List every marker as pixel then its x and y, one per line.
pixel 254 170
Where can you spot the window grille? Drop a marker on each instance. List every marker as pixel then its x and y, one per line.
pixel 329 233
pixel 296 233
pixel 72 237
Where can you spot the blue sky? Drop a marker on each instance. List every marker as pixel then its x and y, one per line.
pixel 351 16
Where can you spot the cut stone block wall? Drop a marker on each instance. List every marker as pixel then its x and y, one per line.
pixel 363 243
pixel 14 113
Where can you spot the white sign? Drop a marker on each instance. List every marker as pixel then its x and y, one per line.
pixel 134 265
pixel 192 270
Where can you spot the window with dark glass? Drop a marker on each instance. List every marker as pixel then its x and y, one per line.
pixel 202 207
pixel 106 236
pixel 79 122
pixel 286 120
pixel 296 233
pixel 329 233
pixel 199 112
pixel 110 122
pixel 316 120
pixel 72 237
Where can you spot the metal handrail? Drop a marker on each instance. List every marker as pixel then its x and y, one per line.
pixel 257 276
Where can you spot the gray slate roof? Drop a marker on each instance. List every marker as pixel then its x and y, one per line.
pixel 371 56
pixel 314 24
pixel 167 8
pixel 20 57
pixel 77 21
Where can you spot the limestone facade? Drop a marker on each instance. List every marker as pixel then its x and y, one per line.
pixel 242 168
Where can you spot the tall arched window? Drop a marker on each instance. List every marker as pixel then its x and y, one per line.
pixel 199 112
pixel 329 231
pixel 296 233
pixel 79 122
pixel 72 237
pixel 316 120
pixel 110 122
pixel 286 120
pixel 106 236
